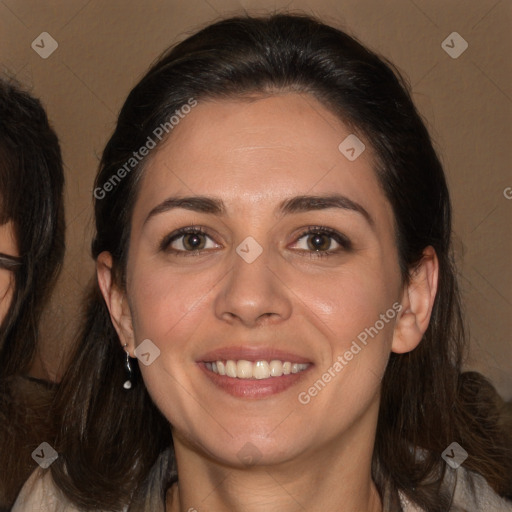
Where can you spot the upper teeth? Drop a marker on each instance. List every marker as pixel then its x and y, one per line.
pixel 243 369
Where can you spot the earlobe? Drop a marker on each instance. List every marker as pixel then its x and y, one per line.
pixel 417 303
pixel 115 299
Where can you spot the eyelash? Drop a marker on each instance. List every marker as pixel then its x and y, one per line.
pixel 342 240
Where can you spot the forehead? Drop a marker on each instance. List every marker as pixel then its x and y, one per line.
pixel 257 153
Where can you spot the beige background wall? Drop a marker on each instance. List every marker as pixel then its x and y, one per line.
pixel 104 47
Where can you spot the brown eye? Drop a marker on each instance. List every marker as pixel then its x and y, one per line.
pixel 319 242
pixel 194 241
pixel 187 240
pixel 322 241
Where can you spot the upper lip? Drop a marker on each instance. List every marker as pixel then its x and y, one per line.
pixel 252 354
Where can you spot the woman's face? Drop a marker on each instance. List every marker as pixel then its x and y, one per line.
pixel 8 247
pixel 296 263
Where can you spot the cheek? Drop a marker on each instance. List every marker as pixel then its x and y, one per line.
pixel 169 308
pixel 357 312
pixel 350 300
pixel 356 309
pixel 168 305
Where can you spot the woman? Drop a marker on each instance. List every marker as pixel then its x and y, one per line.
pixel 273 245
pixel 31 253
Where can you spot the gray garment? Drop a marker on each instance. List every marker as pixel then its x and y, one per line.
pixel 40 494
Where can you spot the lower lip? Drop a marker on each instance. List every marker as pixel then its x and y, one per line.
pixel 254 388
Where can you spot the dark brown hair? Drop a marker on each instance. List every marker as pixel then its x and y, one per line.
pixel 106 451
pixel 31 196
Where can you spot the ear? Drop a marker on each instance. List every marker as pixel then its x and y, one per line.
pixel 117 304
pixel 417 303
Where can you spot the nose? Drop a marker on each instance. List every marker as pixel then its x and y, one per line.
pixel 252 294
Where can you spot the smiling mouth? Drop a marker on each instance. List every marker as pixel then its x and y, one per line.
pixel 243 369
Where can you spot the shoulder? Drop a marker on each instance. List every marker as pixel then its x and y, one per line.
pixel 25 420
pixel 41 494
pixel 471 493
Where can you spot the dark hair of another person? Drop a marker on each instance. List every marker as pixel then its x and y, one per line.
pixel 110 438
pixel 31 197
pixel 31 185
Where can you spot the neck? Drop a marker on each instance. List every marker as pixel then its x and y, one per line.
pixel 266 492
pixel 336 476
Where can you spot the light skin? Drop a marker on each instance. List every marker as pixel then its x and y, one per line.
pixel 253 156
pixel 9 247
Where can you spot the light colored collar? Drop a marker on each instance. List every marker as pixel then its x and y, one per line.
pixel 471 492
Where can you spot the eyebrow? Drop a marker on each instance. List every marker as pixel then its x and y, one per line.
pixel 298 204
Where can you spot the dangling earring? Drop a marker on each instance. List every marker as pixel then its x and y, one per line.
pixel 128 383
